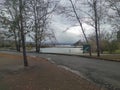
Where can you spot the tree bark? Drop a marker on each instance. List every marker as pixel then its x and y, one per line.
pixel 96 27
pixel 22 33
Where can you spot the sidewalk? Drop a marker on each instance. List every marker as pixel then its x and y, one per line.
pixel 40 75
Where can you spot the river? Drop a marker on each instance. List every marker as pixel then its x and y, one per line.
pixel 61 50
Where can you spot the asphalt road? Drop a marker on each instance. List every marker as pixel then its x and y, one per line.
pixel 104 73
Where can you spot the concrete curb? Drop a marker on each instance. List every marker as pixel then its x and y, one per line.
pixel 90 57
pixel 84 56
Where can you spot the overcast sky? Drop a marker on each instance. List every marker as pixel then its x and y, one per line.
pixel 60 23
pixel 1 1
pixel 73 34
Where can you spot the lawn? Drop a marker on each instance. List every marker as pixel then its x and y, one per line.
pixel 114 57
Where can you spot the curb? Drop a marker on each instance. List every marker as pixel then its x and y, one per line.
pixel 90 57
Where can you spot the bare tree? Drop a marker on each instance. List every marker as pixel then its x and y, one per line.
pixel 106 40
pixel 40 11
pixel 13 19
pixel 96 27
pixel 80 23
pixel 96 13
pixel 21 8
pixel 10 19
pixel 78 20
pixel 71 12
pixel 114 13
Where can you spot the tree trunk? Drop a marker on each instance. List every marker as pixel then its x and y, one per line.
pixel 22 34
pixel 19 42
pixel 96 27
pixel 15 37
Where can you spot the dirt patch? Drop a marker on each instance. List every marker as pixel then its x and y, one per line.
pixel 40 75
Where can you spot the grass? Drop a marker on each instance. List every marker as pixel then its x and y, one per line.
pixel 114 57
pixel 117 51
pixel 111 57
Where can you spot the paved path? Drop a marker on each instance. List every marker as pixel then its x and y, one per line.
pixel 106 73
pixel 39 75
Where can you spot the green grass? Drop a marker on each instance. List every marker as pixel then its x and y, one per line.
pixel 114 57
pixel 105 56
pixel 117 51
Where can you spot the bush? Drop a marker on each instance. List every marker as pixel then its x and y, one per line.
pixel 112 46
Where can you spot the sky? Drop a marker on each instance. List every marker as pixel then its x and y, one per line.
pixel 72 34
pixel 1 1
pixel 60 23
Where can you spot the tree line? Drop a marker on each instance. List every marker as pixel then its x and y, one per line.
pixel 27 17
pixel 36 16
pixel 32 18
pixel 102 15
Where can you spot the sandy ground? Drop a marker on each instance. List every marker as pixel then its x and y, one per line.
pixel 39 75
